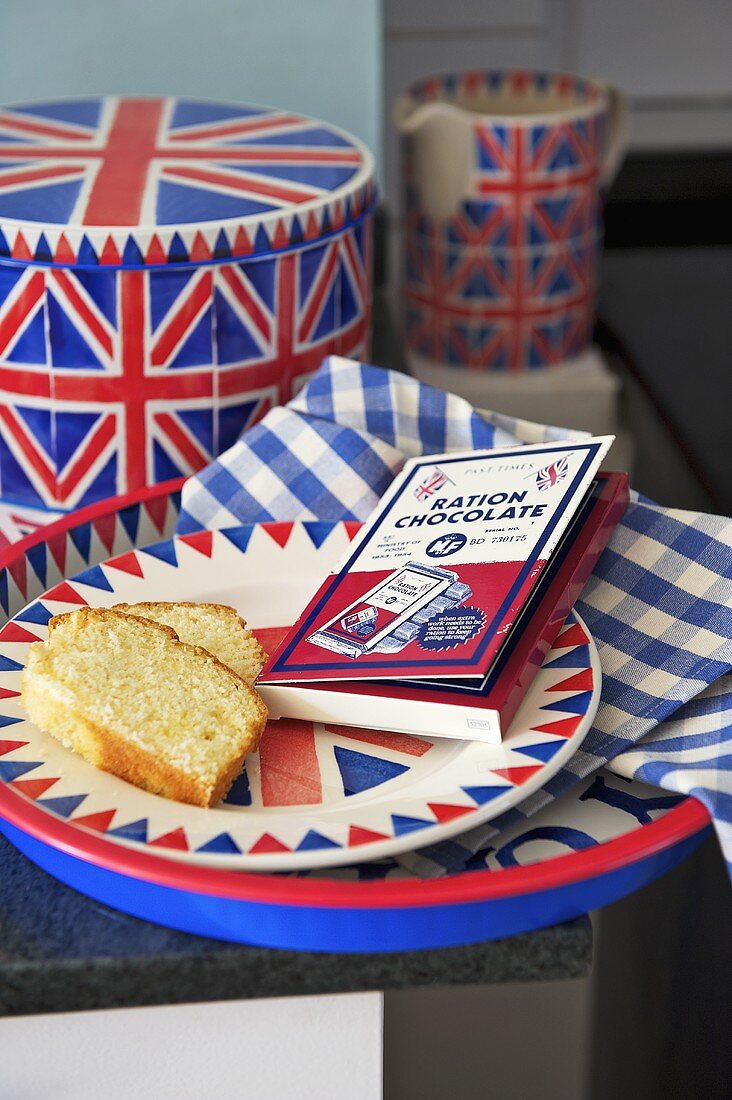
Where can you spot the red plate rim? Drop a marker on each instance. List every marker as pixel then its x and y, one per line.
pixel 683 821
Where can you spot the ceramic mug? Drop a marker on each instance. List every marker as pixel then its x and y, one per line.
pixel 504 178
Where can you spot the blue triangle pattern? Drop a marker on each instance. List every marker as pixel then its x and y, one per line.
pixel 296 230
pixel 103 486
pixel 555 209
pixel 234 341
pixel 177 252
pixel 164 468
pixel 261 274
pixel 536 262
pixel 239 536
pixel 221 247
pixel 233 419
pixel 30 347
pixel 349 301
pixel 81 112
pixel 130 520
pixel 13 769
pixel 478 212
pixel 239 793
pixel 36 613
pixel 222 843
pixel 360 772
pixel 164 551
pixel 6 665
pixel 315 135
pixel 36 557
pixel 53 203
pixel 561 283
pixel 537 234
pixel 543 751
pixel 63 806
pixel 479 286
pixel 326 177
pixel 165 288
pixel 318 532
pixel 134 830
pixel 402 824
pixel 86 256
pixel 15 476
pixel 178 202
pixel 40 422
pixel 537 135
pixel 71 430
pixel 309 264
pixel 6 720
pixel 327 320
pixel 101 286
pixel 573 658
pixel 193 112
pixel 563 156
pixel 200 423
pixel 43 249
pixel 313 840
pixel 577 704
pixel 131 254
pixel 481 795
pixel 81 538
pixel 95 578
pixel 68 348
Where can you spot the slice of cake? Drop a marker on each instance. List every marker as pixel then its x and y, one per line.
pixel 134 700
pixel 213 626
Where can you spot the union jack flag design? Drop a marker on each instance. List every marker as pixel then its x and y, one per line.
pixel 552 474
pixel 509 280
pixel 165 180
pixel 431 484
pixel 115 377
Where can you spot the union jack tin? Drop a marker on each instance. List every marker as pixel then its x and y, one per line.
pixel 169 270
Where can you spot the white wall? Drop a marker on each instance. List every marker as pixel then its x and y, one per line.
pixel 321 57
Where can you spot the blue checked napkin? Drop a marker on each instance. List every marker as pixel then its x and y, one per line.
pixel 658 604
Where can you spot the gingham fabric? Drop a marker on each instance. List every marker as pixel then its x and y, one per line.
pixel 658 604
pixel 332 452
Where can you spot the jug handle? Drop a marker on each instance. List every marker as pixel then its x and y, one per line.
pixel 617 133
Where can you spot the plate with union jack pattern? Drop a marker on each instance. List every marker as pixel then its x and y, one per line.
pixel 313 796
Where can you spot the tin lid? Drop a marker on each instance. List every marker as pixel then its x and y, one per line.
pixel 130 182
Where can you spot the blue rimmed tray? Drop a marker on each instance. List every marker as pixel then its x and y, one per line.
pixel 585 850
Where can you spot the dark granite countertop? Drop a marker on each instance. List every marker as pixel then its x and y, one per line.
pixel 61 952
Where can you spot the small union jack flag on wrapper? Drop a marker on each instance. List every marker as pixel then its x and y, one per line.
pixel 431 484
pixel 552 474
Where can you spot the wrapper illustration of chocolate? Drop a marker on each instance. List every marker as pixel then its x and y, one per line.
pixel 391 614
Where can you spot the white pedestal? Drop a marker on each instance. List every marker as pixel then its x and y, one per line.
pixel 583 394
pixel 290 1047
